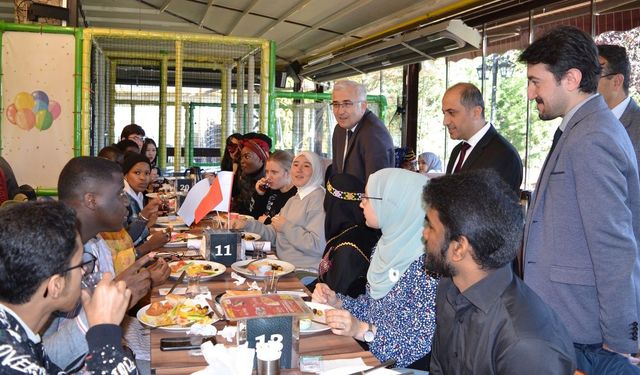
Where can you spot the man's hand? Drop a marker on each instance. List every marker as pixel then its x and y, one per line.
pixel 155 241
pixel 159 272
pixel 137 279
pixel 108 303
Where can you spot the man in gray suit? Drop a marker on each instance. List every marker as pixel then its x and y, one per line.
pixel 583 226
pixel 614 87
pixel 361 143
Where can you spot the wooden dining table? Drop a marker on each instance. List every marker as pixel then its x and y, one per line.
pixel 324 343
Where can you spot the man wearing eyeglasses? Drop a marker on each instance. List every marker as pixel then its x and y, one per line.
pixel 133 132
pixel 613 85
pixel 361 143
pixel 42 264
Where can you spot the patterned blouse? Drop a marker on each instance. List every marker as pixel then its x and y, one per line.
pixel 405 318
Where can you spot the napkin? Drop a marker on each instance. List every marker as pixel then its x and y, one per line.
pixel 229 333
pixel 254 286
pixel 233 360
pixel 202 330
pixel 349 366
pixel 193 243
pixel 239 280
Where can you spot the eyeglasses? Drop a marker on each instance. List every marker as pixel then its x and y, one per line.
pixel 136 138
pixel 345 105
pixel 376 198
pixel 87 265
pixel 608 75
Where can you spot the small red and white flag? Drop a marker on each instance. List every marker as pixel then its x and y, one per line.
pixel 205 197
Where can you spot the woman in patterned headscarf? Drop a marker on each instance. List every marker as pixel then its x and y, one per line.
pixel 253 156
pixel 396 316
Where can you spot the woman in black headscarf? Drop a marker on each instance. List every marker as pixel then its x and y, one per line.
pixel 346 257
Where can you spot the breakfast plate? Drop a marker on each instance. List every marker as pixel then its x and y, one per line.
pixel 175 314
pixel 180 239
pixel 170 221
pixel 204 268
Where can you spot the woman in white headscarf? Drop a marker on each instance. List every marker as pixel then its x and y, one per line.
pixel 298 230
pixel 396 315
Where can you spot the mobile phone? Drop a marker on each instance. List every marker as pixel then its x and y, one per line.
pixel 183 343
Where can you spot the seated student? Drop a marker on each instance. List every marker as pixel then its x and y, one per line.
pixel 150 150
pixel 254 154
pixel 127 145
pixel 347 255
pixel 406 158
pixel 140 218
pixel 298 231
pixel 396 315
pixel 112 153
pixel 429 162
pixel 133 132
pixel 34 284
pixel 94 188
pixel 275 188
pixel 489 320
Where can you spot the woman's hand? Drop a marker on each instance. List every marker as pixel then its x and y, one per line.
pixel 344 324
pixel 151 211
pixel 238 223
pixel 278 222
pixel 323 294
pixel 259 185
pixel 263 218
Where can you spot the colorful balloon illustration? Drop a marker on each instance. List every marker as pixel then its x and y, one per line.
pixel 33 110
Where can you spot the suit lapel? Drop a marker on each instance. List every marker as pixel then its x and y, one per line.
pixel 632 108
pixel 477 150
pixel 352 140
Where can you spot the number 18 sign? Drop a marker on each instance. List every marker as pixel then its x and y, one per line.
pixel 222 246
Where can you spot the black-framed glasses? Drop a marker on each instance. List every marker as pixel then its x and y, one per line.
pixel 88 264
pixel 366 197
pixel 345 105
pixel 608 75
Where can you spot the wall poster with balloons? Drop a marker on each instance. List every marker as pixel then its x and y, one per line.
pixel 37 129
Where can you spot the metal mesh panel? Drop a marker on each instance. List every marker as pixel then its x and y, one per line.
pixel 135 78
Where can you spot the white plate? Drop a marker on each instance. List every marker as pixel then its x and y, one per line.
pixel 320 307
pixel 170 221
pixel 286 268
pixel 174 328
pixel 220 267
pixel 255 236
pixel 314 328
pixel 358 369
pixel 182 242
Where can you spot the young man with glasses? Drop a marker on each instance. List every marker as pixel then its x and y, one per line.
pixel 35 283
pixel 133 132
pixel 361 143
pixel 613 85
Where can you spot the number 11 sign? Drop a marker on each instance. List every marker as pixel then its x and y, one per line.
pixel 223 246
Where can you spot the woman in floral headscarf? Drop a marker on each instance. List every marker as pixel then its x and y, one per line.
pixel 396 316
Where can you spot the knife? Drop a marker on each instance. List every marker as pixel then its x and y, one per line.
pixel 182 275
pixel 384 364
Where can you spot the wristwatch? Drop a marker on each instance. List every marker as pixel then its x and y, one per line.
pixel 368 334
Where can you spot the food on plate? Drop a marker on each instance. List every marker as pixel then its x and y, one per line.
pixel 255 268
pixel 177 310
pixel 305 324
pixel 318 313
pixel 194 268
pixel 248 237
pixel 178 237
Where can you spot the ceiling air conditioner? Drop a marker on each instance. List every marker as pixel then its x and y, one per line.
pixel 430 42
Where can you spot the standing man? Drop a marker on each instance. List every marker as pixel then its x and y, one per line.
pixel 583 226
pixel 479 299
pixel 361 143
pixel 614 88
pixel 481 147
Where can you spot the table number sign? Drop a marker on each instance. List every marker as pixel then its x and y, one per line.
pixel 278 329
pixel 222 246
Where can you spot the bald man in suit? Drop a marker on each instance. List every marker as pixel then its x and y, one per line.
pixel 481 147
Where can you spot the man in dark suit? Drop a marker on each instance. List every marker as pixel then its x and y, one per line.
pixel 361 143
pixel 614 88
pixel 583 226
pixel 482 146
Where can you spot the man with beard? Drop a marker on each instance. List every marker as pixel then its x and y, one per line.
pixel 583 225
pixel 487 320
